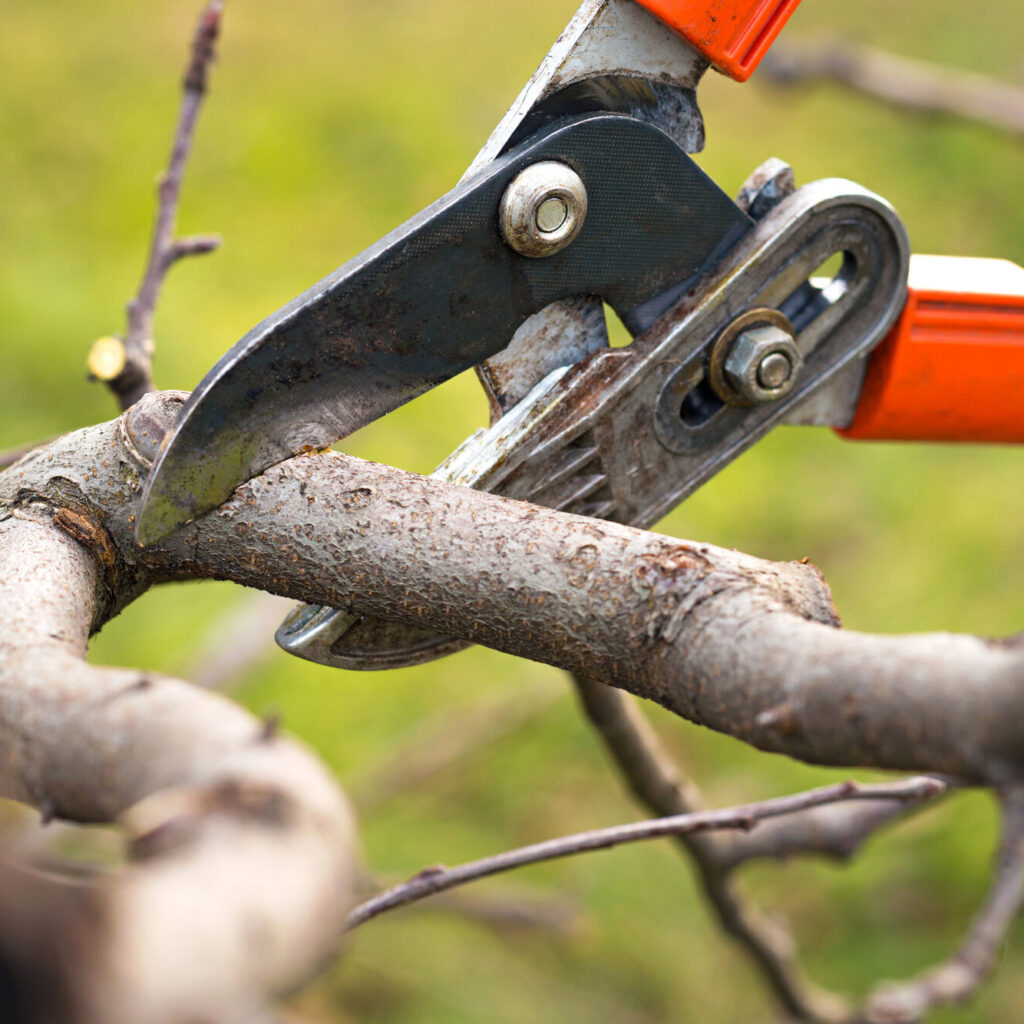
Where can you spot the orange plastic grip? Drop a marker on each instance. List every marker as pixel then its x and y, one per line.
pixel 952 369
pixel 732 34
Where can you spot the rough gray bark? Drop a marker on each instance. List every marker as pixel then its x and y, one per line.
pixel 242 846
pixel 748 647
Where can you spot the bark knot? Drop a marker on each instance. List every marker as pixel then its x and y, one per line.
pixel 92 536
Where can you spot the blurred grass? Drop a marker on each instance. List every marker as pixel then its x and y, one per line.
pixel 328 124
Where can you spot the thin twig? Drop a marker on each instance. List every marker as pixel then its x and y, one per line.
pixel 126 365
pixel 899 81
pixel 440 879
pixel 958 978
pixel 656 781
pixel 836 832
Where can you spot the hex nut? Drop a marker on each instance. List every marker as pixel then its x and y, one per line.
pixel 756 359
pixel 543 209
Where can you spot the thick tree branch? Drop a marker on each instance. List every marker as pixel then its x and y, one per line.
pixel 243 847
pixel 126 365
pixel 901 82
pixel 747 647
pixel 440 879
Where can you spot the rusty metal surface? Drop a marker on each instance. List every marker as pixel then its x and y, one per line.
pixel 613 55
pixel 435 297
pixel 626 434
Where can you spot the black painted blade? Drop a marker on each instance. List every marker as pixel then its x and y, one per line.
pixel 435 297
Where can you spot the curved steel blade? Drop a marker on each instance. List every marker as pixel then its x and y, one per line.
pixel 435 297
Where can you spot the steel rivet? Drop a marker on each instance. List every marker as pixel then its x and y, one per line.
pixel 551 214
pixel 543 210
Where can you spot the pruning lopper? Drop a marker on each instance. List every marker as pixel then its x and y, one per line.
pixel 586 195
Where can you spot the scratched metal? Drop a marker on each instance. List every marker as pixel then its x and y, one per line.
pixel 628 433
pixel 435 297
pixel 612 56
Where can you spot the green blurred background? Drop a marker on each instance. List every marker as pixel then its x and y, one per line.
pixel 331 121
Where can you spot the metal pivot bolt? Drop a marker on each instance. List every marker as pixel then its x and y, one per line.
pixel 543 209
pixel 755 359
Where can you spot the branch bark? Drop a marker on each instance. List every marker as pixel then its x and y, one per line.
pixel 243 847
pixel 748 647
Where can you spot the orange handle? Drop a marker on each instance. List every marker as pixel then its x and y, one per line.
pixel 952 369
pixel 732 34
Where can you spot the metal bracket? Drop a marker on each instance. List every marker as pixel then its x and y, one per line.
pixel 627 434
pixel 612 56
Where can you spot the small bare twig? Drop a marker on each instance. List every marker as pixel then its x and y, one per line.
pixel 126 365
pixel 959 977
pixel 658 784
pixel 440 879
pixel 835 832
pixel 902 82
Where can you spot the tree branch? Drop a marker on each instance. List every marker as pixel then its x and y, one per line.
pixel 901 82
pixel 959 977
pixel 747 647
pixel 657 783
pixel 126 365
pixel 440 879
pixel 835 830
pixel 242 846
